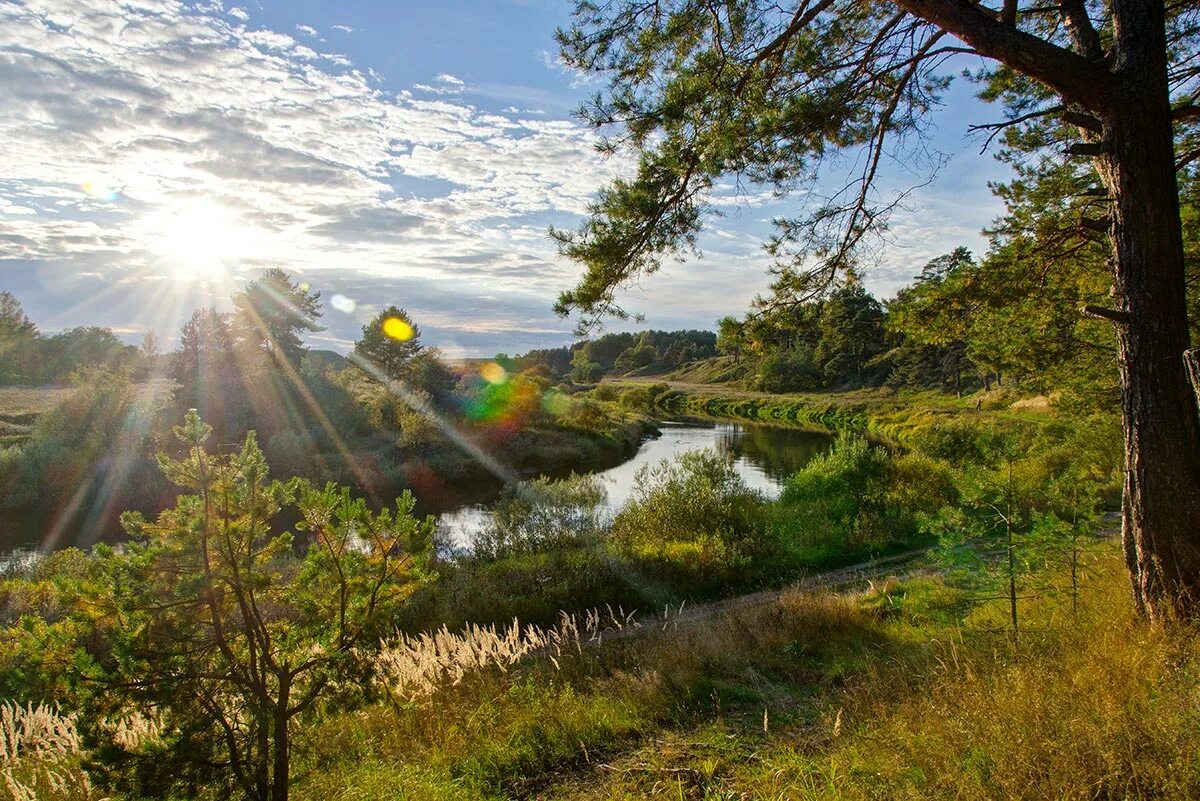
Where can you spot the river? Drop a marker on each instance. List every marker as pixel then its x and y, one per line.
pixel 763 455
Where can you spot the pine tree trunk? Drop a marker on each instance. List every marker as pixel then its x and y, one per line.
pixel 1161 516
pixel 1191 360
pixel 280 770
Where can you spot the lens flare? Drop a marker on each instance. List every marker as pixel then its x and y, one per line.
pixel 493 373
pixel 100 189
pixel 343 304
pixel 397 329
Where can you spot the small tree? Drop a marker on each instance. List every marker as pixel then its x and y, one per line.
pixel 19 340
pixel 273 313
pixel 214 621
pixel 390 342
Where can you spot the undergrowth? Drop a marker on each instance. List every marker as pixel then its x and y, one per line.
pixel 912 688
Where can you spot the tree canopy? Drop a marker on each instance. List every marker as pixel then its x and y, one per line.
pixel 768 94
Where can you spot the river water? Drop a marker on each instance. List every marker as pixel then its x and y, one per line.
pixel 763 455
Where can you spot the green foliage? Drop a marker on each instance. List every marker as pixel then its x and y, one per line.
pixel 28 357
pixel 84 458
pixel 18 339
pixel 605 392
pixel 272 313
pixel 542 515
pixel 212 619
pixel 637 398
pixel 386 351
pixel 693 519
pixel 841 497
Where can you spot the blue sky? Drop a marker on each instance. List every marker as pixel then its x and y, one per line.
pixel 159 154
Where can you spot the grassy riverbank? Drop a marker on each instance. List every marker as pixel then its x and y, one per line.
pixel 910 688
pixel 779 695
pixel 884 413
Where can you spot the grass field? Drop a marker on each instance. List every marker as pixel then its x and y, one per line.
pixel 908 687
pixel 20 408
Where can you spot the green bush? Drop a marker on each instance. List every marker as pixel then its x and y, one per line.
pixel 605 392
pixel 541 515
pixel 693 521
pixel 636 398
pixel 858 496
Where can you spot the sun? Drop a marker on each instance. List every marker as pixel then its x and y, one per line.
pixel 198 238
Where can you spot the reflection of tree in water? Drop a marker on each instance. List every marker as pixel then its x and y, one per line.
pixel 778 452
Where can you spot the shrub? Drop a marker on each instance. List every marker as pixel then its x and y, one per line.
pixel 858 496
pixel 693 520
pixel 957 441
pixel 637 398
pixel 605 392
pixel 839 495
pixel 540 515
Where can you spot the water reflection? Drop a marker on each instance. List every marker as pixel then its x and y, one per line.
pixel 763 455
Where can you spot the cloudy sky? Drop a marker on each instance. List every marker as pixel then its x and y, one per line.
pixel 155 155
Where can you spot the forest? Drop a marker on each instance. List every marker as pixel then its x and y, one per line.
pixel 979 580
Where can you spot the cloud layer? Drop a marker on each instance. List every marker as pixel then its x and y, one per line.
pixel 143 138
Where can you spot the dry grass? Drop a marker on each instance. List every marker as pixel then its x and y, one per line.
pixel 934 705
pixel 26 402
pixel 40 755
pixel 1096 706
pixel 411 668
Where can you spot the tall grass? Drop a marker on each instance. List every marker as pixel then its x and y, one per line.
pixel 414 667
pixel 40 755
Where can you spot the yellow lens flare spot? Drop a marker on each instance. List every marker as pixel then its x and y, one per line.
pixel 397 329
pixel 493 373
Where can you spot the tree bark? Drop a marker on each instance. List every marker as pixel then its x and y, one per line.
pixel 280 773
pixel 1161 515
pixel 1191 360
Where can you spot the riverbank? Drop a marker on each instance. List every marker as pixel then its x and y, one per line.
pixel 885 414
pixel 77 457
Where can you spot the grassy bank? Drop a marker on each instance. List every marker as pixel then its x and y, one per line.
pixel 909 689
pixel 904 687
pixel 886 414
pixel 789 695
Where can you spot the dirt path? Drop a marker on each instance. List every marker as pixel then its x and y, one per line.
pixel 856 575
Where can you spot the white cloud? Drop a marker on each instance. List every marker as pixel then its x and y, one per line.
pixel 343 28
pixel 443 84
pixel 301 160
pixel 165 108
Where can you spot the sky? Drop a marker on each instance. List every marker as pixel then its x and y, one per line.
pixel 156 155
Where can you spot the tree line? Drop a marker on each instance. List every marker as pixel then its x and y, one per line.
pixel 961 325
pixel 586 361
pixel 28 356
